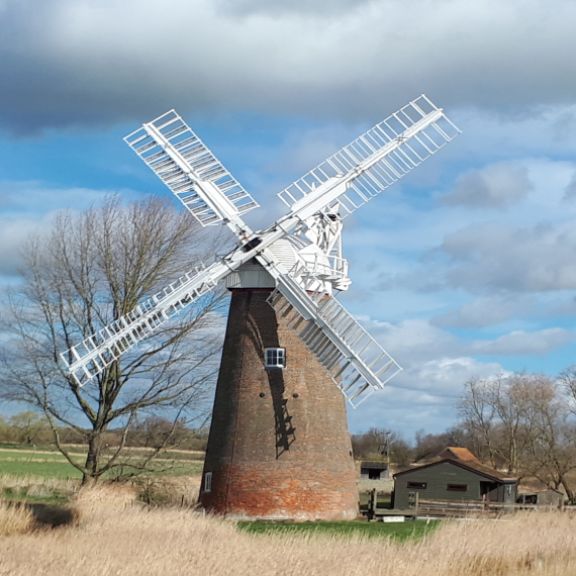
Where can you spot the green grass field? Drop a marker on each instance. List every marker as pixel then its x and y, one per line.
pixel 52 464
pixel 43 475
pixel 38 463
pixel 399 531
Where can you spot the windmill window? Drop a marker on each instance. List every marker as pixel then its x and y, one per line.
pixel 275 357
pixel 208 482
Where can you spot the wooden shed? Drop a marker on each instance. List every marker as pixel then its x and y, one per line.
pixel 453 479
pixel 546 497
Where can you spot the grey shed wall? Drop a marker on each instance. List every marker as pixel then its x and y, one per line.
pixel 438 476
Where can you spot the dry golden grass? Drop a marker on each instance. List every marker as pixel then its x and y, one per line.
pixel 39 484
pixel 13 480
pixel 14 520
pixel 117 535
pixel 169 491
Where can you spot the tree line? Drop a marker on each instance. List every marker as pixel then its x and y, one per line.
pixel 33 430
pixel 525 424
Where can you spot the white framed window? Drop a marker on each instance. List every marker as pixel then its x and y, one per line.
pixel 208 482
pixel 275 357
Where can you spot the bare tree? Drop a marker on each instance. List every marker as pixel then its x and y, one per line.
pixel 479 417
pixel 92 269
pixel 552 437
pixel 499 414
pixel 525 422
pixel 516 399
pixel 29 428
pixel 381 443
pixel 567 379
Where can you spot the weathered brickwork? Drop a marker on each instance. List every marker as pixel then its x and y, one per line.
pixel 279 445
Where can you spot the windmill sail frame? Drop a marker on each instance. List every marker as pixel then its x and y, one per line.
pixel 343 182
pixel 373 161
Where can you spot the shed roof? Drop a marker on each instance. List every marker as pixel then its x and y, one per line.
pixel 458 453
pixel 476 467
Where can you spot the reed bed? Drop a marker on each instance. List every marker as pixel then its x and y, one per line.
pixel 14 520
pixel 116 534
pixel 38 483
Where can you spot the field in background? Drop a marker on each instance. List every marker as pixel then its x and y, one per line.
pixel 113 534
pixel 41 463
pixel 52 464
pixel 43 476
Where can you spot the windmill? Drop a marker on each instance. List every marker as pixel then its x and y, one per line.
pixel 278 445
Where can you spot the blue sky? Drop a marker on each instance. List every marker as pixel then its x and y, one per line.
pixel 465 269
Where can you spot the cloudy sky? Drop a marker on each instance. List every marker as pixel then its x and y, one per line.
pixel 464 269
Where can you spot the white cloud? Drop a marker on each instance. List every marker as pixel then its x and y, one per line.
pixel 449 374
pixel 423 397
pixel 33 197
pixel 507 311
pixel 570 191
pixel 562 307
pixel 492 257
pixel 497 186
pixel 436 367
pixel 13 234
pixel 28 208
pixel 434 359
pixel 520 342
pixel 486 311
pixel 296 7
pixel 413 241
pixel 82 63
pixel 412 341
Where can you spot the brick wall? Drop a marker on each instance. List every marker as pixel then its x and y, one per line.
pixel 279 445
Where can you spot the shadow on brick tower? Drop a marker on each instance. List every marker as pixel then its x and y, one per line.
pixel 279 445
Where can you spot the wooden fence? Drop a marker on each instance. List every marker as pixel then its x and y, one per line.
pixel 423 507
pixel 375 505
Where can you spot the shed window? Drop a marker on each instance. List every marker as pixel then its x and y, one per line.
pixel 275 357
pixel 457 487
pixel 208 482
pixel 418 485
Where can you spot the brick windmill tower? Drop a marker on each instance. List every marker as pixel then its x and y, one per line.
pixel 278 444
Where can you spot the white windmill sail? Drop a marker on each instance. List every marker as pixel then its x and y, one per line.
pixel 357 364
pixel 373 162
pixel 92 355
pixel 190 170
